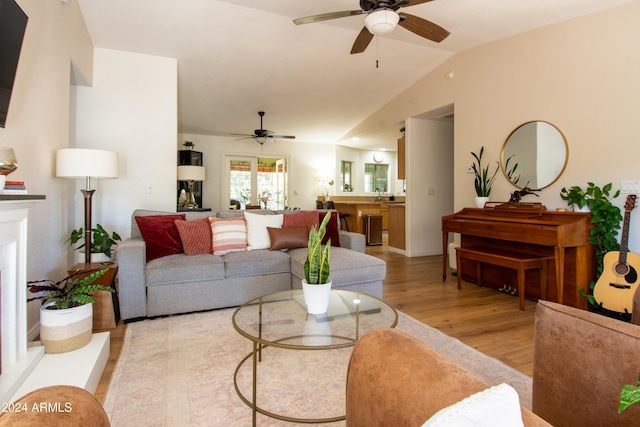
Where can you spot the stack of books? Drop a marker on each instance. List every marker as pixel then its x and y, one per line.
pixel 14 187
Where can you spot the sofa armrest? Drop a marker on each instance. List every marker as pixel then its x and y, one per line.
pixel 354 241
pixel 132 290
pixel 581 361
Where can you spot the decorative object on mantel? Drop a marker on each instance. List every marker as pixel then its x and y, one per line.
pixel 66 317
pixel 316 286
pixel 189 145
pixel 8 161
pixel 86 163
pixel 191 174
pixel 8 164
pixel 483 179
pixel 101 243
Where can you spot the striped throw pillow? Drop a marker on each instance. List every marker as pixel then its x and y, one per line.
pixel 229 235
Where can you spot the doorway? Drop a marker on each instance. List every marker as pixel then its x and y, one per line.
pixel 255 182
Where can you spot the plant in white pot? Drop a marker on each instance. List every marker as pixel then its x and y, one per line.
pixel 483 178
pixel 101 243
pixel 66 316
pixel 316 285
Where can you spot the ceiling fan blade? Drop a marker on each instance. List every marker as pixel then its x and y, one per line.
pixel 362 41
pixel 416 2
pixel 282 136
pixel 326 16
pixel 423 28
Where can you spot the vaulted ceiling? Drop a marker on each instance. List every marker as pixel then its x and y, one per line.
pixel 238 57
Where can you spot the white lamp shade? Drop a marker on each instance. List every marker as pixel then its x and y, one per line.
pixel 84 162
pixel 381 22
pixel 190 173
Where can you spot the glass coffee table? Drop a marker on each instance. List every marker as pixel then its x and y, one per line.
pixel 280 320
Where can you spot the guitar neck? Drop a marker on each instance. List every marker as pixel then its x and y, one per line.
pixel 624 239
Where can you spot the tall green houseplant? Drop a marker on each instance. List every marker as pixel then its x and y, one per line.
pixel 316 266
pixel 483 178
pixel 605 217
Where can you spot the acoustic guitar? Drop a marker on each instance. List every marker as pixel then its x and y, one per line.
pixel 615 287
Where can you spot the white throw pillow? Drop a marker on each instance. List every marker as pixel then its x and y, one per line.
pixel 497 406
pixel 257 233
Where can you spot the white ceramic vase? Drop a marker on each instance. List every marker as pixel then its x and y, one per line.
pixel 480 201
pixel 67 329
pixel 316 297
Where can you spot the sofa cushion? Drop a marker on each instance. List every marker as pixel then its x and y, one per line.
pixel 497 406
pixel 181 268
pixel 255 263
pixel 288 238
pixel 301 219
pixel 257 234
pixel 228 235
pixel 195 236
pixel 347 266
pixel 160 234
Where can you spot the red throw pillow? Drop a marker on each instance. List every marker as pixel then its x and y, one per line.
pixel 195 236
pixel 332 228
pixel 301 219
pixel 160 235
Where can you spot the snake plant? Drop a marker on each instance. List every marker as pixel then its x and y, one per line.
pixel 316 267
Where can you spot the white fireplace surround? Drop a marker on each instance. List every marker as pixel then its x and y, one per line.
pixel 25 366
pixel 18 360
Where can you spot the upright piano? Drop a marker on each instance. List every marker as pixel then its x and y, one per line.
pixel 561 236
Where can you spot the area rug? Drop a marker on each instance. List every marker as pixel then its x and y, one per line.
pixel 178 371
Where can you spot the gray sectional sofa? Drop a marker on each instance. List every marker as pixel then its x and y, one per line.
pixel 182 283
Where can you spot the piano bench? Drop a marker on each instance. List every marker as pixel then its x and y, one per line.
pixel 517 261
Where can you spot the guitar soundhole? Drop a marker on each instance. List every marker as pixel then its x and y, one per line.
pixel 622 269
pixel 631 276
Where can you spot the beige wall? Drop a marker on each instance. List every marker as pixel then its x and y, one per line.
pixel 38 124
pixel 581 75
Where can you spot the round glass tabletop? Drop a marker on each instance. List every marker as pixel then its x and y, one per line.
pixel 281 320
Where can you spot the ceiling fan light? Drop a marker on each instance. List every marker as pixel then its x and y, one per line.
pixel 381 22
pixel 261 139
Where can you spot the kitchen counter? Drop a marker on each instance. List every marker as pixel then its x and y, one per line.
pixel 397 230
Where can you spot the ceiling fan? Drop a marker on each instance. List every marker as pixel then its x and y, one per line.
pixel 382 18
pixel 262 135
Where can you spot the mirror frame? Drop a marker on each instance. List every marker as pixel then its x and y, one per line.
pixel 504 147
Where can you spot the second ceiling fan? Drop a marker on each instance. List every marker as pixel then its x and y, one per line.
pixel 382 18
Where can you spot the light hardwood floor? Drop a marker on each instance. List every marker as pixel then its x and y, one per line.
pixel 482 318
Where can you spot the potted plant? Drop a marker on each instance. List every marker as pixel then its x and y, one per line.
pixel 316 285
pixel 605 217
pixel 483 178
pixel 66 316
pixel 189 145
pixel 101 241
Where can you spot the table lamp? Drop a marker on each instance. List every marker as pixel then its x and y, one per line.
pixel 86 163
pixel 191 174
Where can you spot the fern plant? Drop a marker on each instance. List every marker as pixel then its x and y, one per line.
pixel 72 291
pixel 316 266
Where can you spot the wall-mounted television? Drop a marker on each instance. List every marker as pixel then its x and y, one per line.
pixel 13 23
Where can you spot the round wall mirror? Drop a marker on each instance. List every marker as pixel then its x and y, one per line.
pixel 534 155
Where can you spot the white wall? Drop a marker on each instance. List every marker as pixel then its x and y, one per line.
pixel 429 161
pixel 131 109
pixel 38 124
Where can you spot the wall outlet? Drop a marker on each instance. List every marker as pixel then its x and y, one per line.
pixel 148 189
pixel 630 187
